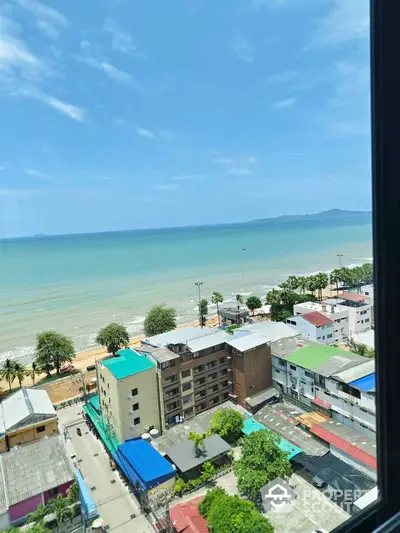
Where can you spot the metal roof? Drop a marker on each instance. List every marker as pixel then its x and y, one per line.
pixel 246 342
pixel 365 384
pixel 338 363
pixel 25 407
pixel 284 347
pixel 36 468
pixel 208 341
pixel 272 331
pixel 186 517
pixel 317 318
pixel 183 454
pixel 127 363
pixel 311 357
pixel 178 336
pixel 353 297
pixel 356 372
pixel 261 397
pixel 161 355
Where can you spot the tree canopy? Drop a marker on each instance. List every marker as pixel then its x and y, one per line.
pixel 203 312
pixel 7 371
pixel 114 337
pixel 261 462
pixel 361 349
pixel 253 303
pixel 282 302
pixel 227 423
pixel 159 320
pixel 225 514
pixel 53 350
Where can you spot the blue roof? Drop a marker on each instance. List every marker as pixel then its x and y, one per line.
pixel 251 425
pixel 89 508
pixel 365 384
pixel 140 461
pixel 127 363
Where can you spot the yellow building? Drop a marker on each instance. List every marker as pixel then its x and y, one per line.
pixel 26 416
pixel 128 394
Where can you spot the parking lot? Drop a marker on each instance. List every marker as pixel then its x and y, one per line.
pixel 116 505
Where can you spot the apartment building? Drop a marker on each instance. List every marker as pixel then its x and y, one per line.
pixel 128 394
pixel 337 382
pixel 194 371
pixel 25 417
pixel 314 326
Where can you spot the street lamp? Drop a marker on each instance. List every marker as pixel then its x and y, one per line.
pixel 340 259
pixel 199 284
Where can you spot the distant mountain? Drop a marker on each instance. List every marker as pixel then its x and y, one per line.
pixel 331 214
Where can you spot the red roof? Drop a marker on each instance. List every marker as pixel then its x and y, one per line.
pixel 344 446
pixel 186 517
pixel 321 403
pixel 353 297
pixel 316 318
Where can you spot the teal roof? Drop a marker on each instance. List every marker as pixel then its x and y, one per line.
pixel 94 401
pixel 127 363
pixel 251 425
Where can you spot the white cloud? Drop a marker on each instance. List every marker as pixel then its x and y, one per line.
pixel 285 103
pixel 36 173
pixel 223 160
pixel 143 132
pixel 122 42
pixel 69 110
pixel 346 20
pixel 48 20
pixel 239 171
pixel 112 72
pixel 189 177
pixel 166 187
pixel 147 199
pixel 243 49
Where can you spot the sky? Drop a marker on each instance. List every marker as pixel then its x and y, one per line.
pixel 130 114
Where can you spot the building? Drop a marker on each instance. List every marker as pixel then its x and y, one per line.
pixel 25 417
pixel 189 460
pixel 233 316
pixel 193 369
pixel 186 517
pixel 366 337
pixel 33 475
pixel 128 394
pixel 339 383
pixel 314 326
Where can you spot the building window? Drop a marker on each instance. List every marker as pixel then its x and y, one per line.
pixel 367 320
pixel 135 406
pixel 329 336
pixel 134 392
pixel 186 386
pixel 136 421
pixel 292 367
pixel 282 362
pixel 185 374
pixel 222 360
pixel 309 374
pixel 52 493
pixel 40 429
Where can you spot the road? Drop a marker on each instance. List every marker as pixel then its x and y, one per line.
pixel 116 505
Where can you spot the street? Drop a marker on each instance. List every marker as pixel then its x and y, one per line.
pixel 116 505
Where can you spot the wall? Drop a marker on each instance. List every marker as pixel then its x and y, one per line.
pixel 252 372
pixel 3 445
pixel 353 462
pixel 20 510
pixel 26 435
pixel 62 489
pixel 108 399
pixel 4 522
pixel 307 330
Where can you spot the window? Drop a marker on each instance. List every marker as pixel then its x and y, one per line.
pixel 367 320
pixel 186 386
pixel 40 429
pixel 135 407
pixel 329 336
pixel 222 360
pixel 134 392
pixel 282 362
pixel 292 367
pixel 185 374
pixel 52 493
pixel 308 374
pixel 136 421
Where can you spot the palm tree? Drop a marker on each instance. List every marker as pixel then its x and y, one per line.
pixel 60 507
pixel 73 492
pixel 7 372
pixel 217 298
pixel 335 278
pixel 239 301
pixel 292 283
pixel 274 297
pixel 312 284
pixel 358 276
pixel 360 349
pixel 34 371
pixel 321 282
pixel 302 283
pixel 20 372
pixel 38 516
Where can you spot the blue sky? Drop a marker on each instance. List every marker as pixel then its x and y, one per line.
pixel 122 114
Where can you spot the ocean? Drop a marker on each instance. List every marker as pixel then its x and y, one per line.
pixel 76 284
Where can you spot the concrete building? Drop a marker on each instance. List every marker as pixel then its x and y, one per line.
pixel 314 326
pixel 25 417
pixel 339 383
pixel 128 394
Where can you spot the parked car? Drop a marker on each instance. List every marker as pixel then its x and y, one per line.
pixel 79 431
pixel 318 482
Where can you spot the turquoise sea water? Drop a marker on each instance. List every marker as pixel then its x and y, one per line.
pixel 78 283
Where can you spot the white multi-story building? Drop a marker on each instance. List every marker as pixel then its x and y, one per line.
pixel 340 383
pixel 314 326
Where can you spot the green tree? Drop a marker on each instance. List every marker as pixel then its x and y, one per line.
pixel 73 492
pixel 208 471
pixel 7 372
pixel 346 276
pixel 335 278
pixel 20 372
pixel 34 371
pixel 216 299
pixel 239 301
pixel 213 498
pixel 321 283
pixel 360 349
pixel 292 283
pixel 53 350
pixel 159 320
pixel 274 297
pixel 38 516
pixel 38 528
pixel 303 284
pixel 312 284
pixel 114 337
pixel 61 508
pixel 368 272
pixel 198 442
pixel 180 486
pixel 253 303
pixel 203 312
pixel 358 276
pixel 227 423
pixel 261 462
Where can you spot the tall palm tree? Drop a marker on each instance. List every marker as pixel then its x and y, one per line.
pixel 303 283
pixel 312 284
pixel 217 298
pixel 34 371
pixel 321 282
pixel 239 301
pixel 335 278
pixel 20 372
pixel 7 372
pixel 61 508
pixel 38 516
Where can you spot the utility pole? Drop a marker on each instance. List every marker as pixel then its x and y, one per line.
pixel 199 284
pixel 340 259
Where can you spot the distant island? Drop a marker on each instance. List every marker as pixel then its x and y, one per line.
pixel 331 214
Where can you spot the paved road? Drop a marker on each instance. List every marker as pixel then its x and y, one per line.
pixel 116 505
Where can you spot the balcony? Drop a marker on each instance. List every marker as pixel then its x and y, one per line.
pixel 199 382
pixel 171 393
pixel 212 377
pixel 199 370
pixel 200 395
pixel 170 408
pixel 170 381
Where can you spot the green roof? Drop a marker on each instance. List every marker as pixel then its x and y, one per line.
pixel 310 357
pixel 127 363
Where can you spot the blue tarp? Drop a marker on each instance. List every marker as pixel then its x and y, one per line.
pixel 89 508
pixel 366 384
pixel 141 463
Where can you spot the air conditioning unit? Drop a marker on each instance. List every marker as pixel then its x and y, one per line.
pixel 130 397
pixel 131 412
pixel 229 369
